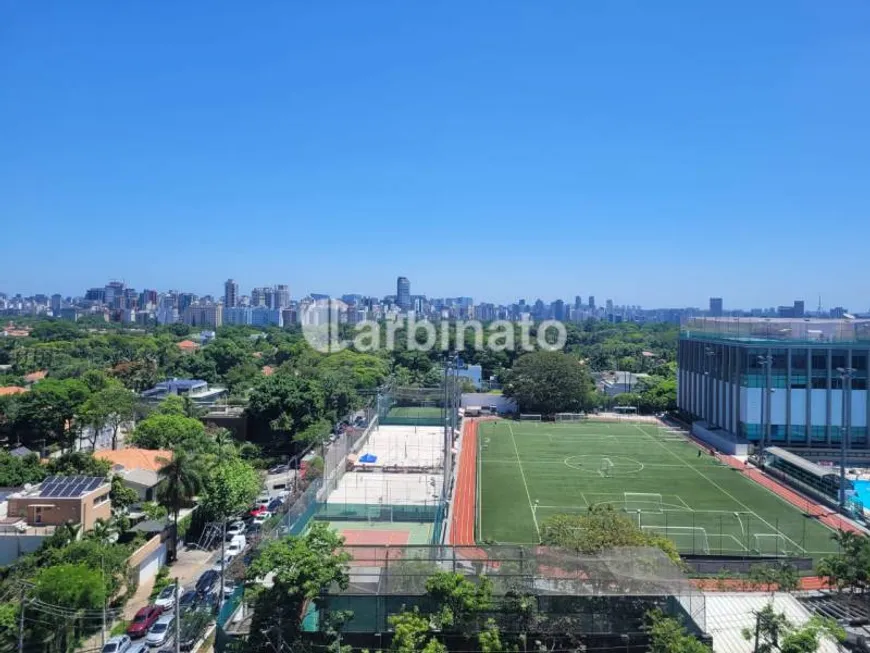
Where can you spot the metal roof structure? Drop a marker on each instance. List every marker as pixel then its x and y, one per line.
pixel 802 463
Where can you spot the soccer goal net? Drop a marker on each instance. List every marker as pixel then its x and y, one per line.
pixel 643 502
pixel 689 539
pixel 773 544
pixel 530 417
pixel 570 417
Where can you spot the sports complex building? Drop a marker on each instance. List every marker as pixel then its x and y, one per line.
pixel 725 365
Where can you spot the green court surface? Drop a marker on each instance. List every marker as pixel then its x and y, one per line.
pixel 532 470
pixel 415 412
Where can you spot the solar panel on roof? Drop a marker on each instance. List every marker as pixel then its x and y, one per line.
pixel 70 486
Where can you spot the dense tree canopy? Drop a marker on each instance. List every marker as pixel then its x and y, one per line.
pixel 549 382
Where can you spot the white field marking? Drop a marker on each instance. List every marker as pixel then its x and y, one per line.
pixel 525 483
pixel 583 496
pixel 722 490
pixel 684 503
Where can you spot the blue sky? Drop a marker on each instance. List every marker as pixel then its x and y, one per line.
pixel 652 152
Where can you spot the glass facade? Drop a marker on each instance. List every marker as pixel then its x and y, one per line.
pixel 724 383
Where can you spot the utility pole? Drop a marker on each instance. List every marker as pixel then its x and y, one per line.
pixel 220 599
pixel 21 619
pixel 766 362
pixel 846 374
pixel 177 619
pixel 105 598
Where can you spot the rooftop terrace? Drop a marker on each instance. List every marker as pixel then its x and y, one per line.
pixel 773 329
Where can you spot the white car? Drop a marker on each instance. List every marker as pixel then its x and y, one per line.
pixel 168 596
pixel 261 518
pixel 234 548
pixel 236 528
pixel 161 631
pixel 119 644
pixel 227 560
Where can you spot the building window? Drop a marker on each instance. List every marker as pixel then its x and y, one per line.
pixel 818 434
pixel 101 499
pixel 820 362
pixel 819 383
pixel 798 433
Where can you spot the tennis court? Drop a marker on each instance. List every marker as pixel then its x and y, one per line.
pixel 532 470
pixel 416 412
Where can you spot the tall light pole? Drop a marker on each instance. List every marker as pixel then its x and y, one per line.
pixel 846 374
pixel 766 362
pixel 709 354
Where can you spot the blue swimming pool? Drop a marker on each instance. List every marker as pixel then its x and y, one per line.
pixel 862 489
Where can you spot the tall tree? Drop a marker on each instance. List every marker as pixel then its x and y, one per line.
pixel 301 569
pixel 549 382
pixel 181 480
pixel 110 407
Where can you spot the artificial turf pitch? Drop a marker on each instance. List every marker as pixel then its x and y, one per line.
pixel 529 471
pixel 416 412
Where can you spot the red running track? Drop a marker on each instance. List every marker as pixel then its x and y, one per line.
pixel 465 496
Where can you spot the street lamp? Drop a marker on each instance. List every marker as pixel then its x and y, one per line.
pixel 766 361
pixel 846 374
pixel 709 353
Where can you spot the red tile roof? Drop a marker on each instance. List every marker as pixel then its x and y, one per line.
pixel 150 459
pixel 11 390
pixel 268 370
pixel 188 345
pixel 33 377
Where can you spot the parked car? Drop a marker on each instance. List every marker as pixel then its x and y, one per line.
pixel 192 628
pixel 253 528
pixel 279 469
pixel 234 548
pixel 143 620
pixel 187 601
pixel 161 632
pixel 274 504
pixel 228 560
pixel 139 648
pixel 118 644
pixel 236 528
pixel 257 511
pixel 167 597
pixel 262 517
pixel 207 581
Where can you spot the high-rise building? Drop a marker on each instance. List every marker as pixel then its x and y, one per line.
pixel 258 296
pixel 557 310
pixel 578 301
pixel 95 295
pixel 185 299
pixel 148 297
pixel 592 301
pixel 56 303
pixel 715 307
pixel 281 298
pixel 403 293
pixel 798 308
pixel 231 293
pixel 269 297
pixel 114 292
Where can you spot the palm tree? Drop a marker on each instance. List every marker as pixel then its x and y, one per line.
pixel 181 481
pixel 103 531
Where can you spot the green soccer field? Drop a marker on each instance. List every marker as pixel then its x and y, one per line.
pixel 529 471
pixel 416 412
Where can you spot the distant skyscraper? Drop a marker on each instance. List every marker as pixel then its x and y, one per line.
pixel 578 301
pixel 798 308
pixel 231 293
pixel 715 307
pixel 185 299
pixel 282 296
pixel 269 297
pixel 56 303
pixel 403 293
pixel 258 296
pixel 591 301
pixel 557 310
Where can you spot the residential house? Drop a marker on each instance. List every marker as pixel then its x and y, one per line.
pixel 62 499
pixel 618 382
pixel 196 390
pixel 138 468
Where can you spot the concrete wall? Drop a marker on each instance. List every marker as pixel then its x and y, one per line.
pixel 720 440
pixel 149 557
pixel 13 545
pixel 503 404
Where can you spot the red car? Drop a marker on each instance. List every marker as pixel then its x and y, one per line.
pixel 143 620
pixel 259 510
